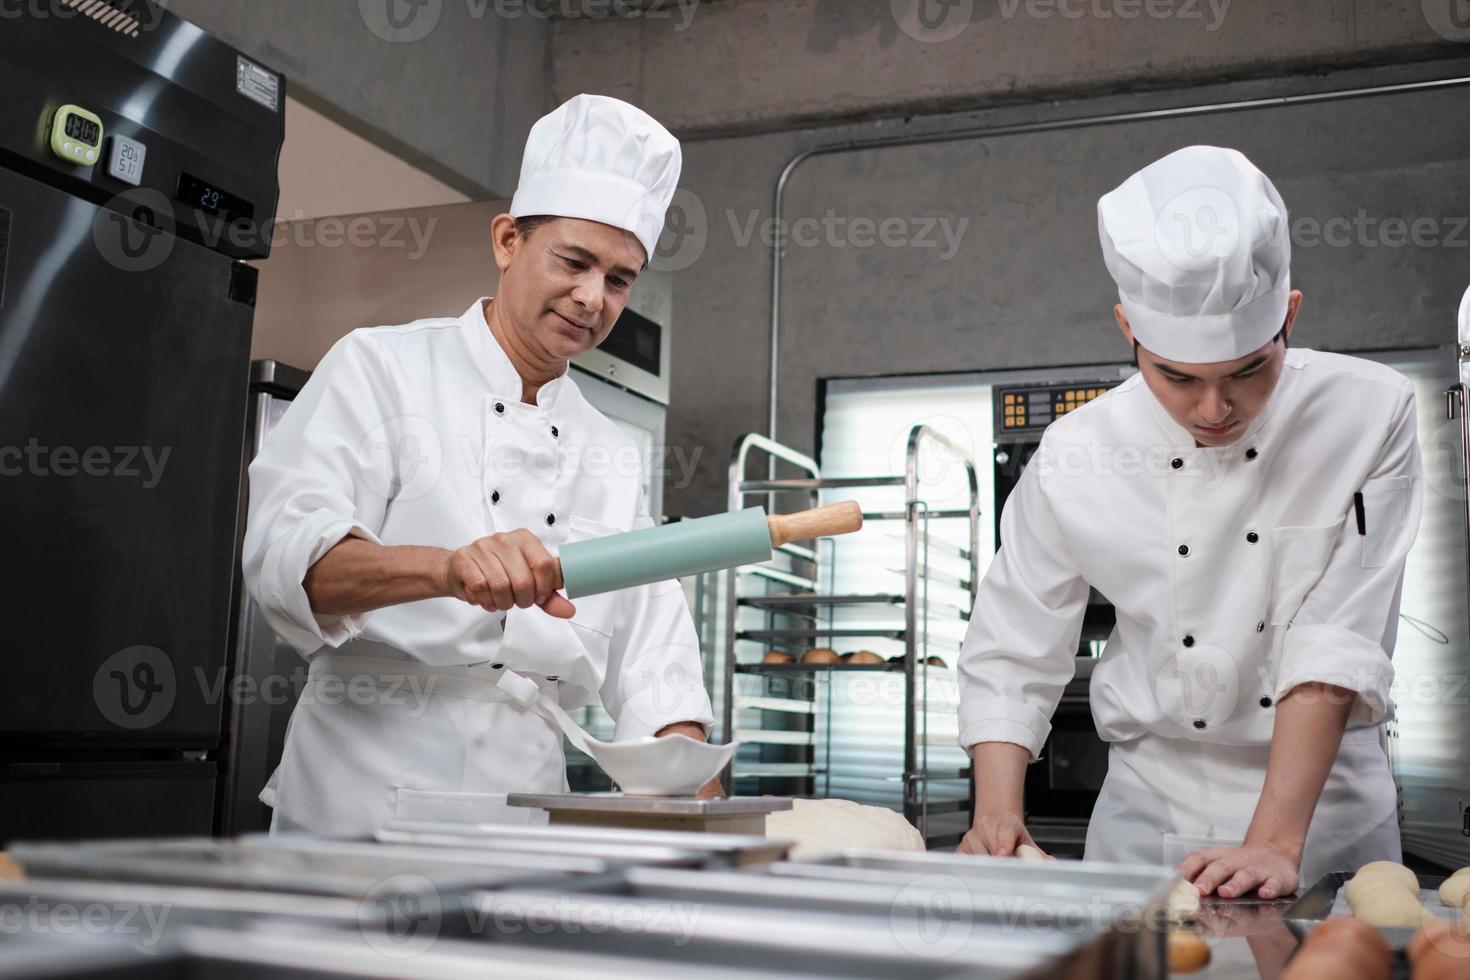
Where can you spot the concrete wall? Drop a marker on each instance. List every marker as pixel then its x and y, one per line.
pixel 743 65
pixel 454 89
pixel 1025 285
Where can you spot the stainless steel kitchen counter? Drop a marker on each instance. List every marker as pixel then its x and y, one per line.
pixel 1248 938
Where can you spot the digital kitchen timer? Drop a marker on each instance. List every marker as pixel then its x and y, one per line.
pixel 76 135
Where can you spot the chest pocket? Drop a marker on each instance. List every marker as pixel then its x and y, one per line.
pixel 596 614
pixel 1385 518
pixel 1299 557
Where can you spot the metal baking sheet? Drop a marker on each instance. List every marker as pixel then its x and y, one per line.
pixel 1325 899
pixel 143 912
pixel 683 806
pixel 306 865
pixel 713 850
pixel 320 955
pixel 1136 886
pixel 814 941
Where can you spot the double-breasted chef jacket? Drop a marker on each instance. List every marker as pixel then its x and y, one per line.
pixel 1237 573
pixel 417 435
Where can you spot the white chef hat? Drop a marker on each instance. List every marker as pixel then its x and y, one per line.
pixel 603 160
pixel 1199 247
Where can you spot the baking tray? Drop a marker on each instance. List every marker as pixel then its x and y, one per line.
pixel 916 931
pixel 1118 899
pixel 301 865
pixel 312 955
pixel 144 913
pixel 614 844
pixel 1321 901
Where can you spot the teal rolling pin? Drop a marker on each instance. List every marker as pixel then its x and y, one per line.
pixel 706 544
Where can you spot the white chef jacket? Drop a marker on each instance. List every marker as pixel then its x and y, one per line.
pixel 1237 572
pixel 416 435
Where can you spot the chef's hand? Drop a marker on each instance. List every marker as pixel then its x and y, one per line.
pixel 996 834
pixel 1232 872
pixel 507 570
pixel 713 789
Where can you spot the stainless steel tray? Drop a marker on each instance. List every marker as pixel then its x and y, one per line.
pixel 305 865
pixel 142 913
pixel 1116 899
pixel 1128 887
pixel 315 955
pixel 1322 900
pixel 916 931
pixel 614 844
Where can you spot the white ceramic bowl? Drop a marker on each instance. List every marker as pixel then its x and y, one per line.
pixel 675 765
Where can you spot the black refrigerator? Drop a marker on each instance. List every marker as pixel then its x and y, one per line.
pixel 137 171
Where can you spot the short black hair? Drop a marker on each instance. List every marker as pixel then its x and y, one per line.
pixel 528 224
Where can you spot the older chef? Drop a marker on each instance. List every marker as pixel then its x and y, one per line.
pixel 1247 508
pixel 404 511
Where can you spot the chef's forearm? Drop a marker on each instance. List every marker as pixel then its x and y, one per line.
pixel 1000 777
pixel 1304 743
pixel 693 729
pixel 358 576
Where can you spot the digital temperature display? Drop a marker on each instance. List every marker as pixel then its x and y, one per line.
pixel 82 129
pixel 213 199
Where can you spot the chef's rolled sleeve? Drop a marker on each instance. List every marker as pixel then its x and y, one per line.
pixel 1344 632
pixel 654 674
pixel 1020 649
pixel 309 491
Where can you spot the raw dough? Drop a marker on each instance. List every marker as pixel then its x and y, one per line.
pixel 1182 902
pixel 1392 870
pixel 1386 902
pixel 1188 953
pixel 825 827
pixel 1455 892
pixel 1028 853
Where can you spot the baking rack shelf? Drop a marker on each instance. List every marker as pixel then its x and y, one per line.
pixel 791 737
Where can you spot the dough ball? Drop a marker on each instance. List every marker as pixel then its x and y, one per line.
pixel 1440 951
pixel 1028 853
pixel 1387 903
pixel 820 655
pixel 862 657
pixel 1342 948
pixel 1355 936
pixel 1455 892
pixel 824 827
pixel 1392 870
pixel 1188 953
pixel 778 657
pixel 1182 902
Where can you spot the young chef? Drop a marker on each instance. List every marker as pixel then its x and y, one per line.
pixel 1247 509
pixel 404 512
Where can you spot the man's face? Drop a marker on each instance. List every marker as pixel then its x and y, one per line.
pixel 1216 402
pixel 565 285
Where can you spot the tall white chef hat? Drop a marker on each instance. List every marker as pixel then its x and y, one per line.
pixel 1199 247
pixel 603 160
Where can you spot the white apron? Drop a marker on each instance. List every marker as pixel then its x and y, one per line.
pixel 443 744
pixel 1166 798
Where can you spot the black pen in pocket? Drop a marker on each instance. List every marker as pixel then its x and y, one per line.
pixel 1362 516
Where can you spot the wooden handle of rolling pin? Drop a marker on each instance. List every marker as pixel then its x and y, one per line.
pixel 821 522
